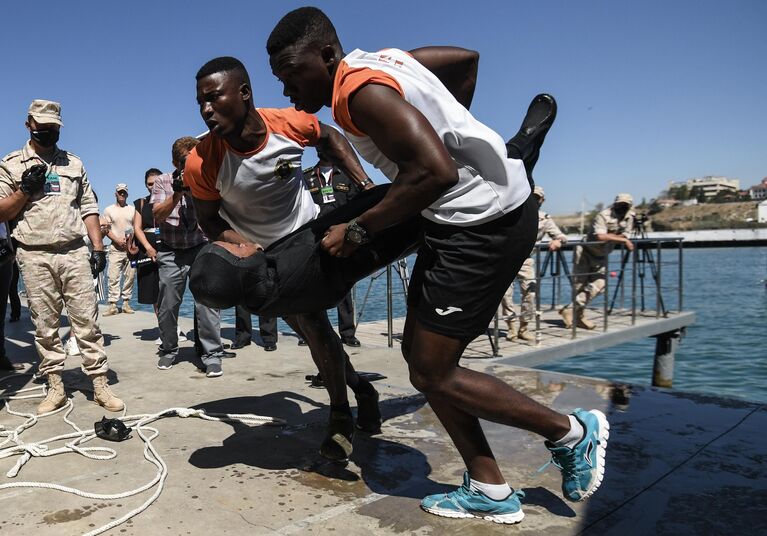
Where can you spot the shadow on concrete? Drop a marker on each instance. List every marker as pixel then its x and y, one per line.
pixel 386 467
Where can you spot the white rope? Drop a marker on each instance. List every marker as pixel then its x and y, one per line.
pixel 78 437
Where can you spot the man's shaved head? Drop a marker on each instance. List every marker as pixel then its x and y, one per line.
pixel 302 26
pixel 224 64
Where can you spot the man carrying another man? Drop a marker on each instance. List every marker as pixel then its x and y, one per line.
pixel 407 114
pixel 249 190
pixel 611 226
pixel 120 218
pixel 46 190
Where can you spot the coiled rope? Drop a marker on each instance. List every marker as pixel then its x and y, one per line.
pixel 78 437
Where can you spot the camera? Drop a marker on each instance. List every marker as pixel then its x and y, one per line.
pixel 640 219
pixel 178 177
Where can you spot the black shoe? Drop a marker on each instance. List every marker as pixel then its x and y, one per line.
pixel 315 381
pixel 236 345
pixel 227 355
pixel 526 144
pixel 270 347
pixel 368 414
pixel 337 445
pixel 302 342
pixel 6 364
pixel 352 341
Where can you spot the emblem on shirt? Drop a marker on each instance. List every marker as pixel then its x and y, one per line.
pixel 283 169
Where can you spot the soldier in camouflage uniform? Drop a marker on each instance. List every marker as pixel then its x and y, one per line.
pixel 527 279
pixel 46 190
pixel 612 226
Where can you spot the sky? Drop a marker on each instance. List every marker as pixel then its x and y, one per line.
pixel 648 91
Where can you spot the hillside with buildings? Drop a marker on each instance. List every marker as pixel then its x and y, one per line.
pixel 693 205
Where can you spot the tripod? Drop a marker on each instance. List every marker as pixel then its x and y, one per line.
pixel 402 272
pixel 558 262
pixel 640 264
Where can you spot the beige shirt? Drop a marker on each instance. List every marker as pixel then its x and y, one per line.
pixel 608 222
pixel 547 227
pixel 54 216
pixel 120 218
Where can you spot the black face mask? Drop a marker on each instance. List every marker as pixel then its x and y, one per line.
pixel 45 138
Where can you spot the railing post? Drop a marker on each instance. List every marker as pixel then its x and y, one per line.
pixel 389 307
pixel 495 348
pixel 657 282
pixel 680 275
pixel 607 291
pixel 573 305
pixel 538 293
pixel 634 284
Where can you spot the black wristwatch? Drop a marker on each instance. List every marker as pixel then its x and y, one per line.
pixel 356 234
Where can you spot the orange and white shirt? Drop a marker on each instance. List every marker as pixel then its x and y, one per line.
pixel 263 193
pixel 489 183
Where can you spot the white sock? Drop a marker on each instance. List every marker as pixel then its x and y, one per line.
pixel 497 492
pixel 572 437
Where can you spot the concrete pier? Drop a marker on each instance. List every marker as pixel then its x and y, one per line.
pixel 677 463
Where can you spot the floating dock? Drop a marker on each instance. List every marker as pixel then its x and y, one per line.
pixel 677 463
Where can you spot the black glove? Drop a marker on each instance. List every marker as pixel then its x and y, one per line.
pixel 98 262
pixel 33 179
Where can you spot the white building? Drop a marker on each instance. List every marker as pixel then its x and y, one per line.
pixel 759 191
pixel 709 185
pixel 762 212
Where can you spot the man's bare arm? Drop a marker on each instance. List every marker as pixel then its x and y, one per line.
pixel 11 205
pixel 339 151
pixel 93 228
pixel 612 237
pixel 455 67
pixel 213 225
pixel 405 136
pixel 162 210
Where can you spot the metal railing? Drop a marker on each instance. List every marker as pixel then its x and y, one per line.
pixel 651 283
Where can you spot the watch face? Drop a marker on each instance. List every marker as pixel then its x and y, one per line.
pixel 355 237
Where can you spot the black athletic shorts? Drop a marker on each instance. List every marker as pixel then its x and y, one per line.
pixel 461 273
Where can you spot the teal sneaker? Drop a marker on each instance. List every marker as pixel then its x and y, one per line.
pixel 583 466
pixel 464 503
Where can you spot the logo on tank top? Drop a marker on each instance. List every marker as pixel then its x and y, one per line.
pixel 283 169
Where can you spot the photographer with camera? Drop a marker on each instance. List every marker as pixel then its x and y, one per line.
pixel 611 226
pixel 180 240
pixel 47 192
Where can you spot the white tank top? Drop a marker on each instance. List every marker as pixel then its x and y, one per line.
pixel 490 184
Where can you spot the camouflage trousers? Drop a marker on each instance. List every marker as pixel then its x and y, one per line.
pixel 54 280
pixel 527 290
pixel 589 272
pixel 119 266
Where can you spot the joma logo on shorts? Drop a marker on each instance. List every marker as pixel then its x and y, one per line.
pixel 449 309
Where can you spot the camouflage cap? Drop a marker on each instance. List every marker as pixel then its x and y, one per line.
pixel 624 198
pixel 539 192
pixel 45 111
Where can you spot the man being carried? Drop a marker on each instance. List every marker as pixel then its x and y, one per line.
pixel 479 227
pixel 248 188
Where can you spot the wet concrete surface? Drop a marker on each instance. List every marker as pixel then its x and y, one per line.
pixel 677 463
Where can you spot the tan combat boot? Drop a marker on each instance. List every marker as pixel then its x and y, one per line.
pixel 523 333
pixel 56 396
pixel 584 322
pixel 111 310
pixel 104 396
pixel 511 331
pixel 567 315
pixel 127 309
